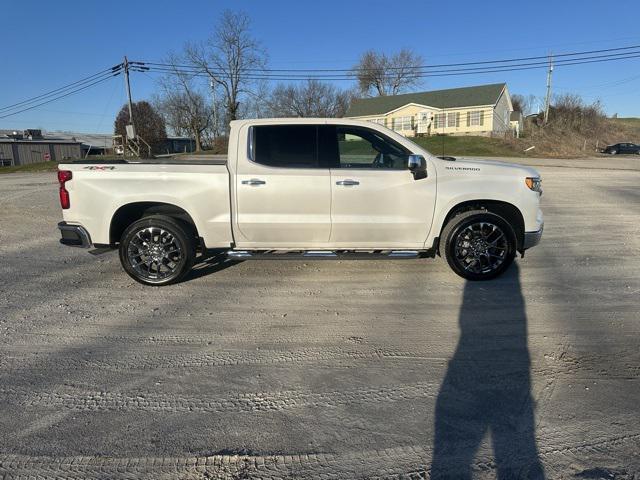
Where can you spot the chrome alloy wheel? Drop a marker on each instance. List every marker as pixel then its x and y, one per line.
pixel 154 253
pixel 481 247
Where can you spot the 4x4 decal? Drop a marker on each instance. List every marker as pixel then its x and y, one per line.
pixel 99 167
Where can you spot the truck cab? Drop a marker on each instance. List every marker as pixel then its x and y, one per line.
pixel 329 186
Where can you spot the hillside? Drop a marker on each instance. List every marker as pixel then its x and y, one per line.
pixel 631 123
pixel 564 141
pixel 550 141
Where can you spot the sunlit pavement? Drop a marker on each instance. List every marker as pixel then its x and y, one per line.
pixel 344 369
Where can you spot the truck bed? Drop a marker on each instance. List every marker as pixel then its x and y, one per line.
pixel 182 160
pixel 102 190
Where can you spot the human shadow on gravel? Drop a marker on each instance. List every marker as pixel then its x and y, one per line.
pixel 487 387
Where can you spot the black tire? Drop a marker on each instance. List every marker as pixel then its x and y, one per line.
pixel 613 151
pixel 473 235
pixel 158 240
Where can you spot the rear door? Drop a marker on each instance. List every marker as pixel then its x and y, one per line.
pixel 375 201
pixel 283 193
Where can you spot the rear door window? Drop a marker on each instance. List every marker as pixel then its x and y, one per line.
pixel 286 146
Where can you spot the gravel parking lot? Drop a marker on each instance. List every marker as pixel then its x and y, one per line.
pixel 335 369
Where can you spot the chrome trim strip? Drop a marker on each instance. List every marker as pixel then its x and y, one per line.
pixel 250 145
pixel 403 253
pixel 239 254
pixel 323 254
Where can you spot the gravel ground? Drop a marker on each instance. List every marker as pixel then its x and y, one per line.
pixel 335 369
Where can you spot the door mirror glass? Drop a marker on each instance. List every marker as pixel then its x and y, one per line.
pixel 418 166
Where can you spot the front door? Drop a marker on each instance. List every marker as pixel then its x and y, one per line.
pixel 283 193
pixel 375 201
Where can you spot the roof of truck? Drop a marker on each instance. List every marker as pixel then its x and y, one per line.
pixel 300 121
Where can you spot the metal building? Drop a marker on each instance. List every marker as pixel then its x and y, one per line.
pixel 30 146
pixel 91 143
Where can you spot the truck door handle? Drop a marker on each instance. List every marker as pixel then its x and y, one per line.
pixel 348 183
pixel 253 181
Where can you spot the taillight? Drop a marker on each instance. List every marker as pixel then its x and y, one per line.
pixel 63 177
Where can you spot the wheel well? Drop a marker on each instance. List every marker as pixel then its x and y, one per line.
pixel 509 212
pixel 127 214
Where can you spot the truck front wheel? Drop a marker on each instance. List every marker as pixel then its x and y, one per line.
pixel 157 250
pixel 478 245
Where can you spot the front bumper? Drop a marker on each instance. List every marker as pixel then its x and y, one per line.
pixel 74 235
pixel 531 239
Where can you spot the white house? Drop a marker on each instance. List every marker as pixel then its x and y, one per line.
pixel 479 110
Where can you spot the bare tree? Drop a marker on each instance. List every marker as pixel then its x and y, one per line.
pixel 257 104
pixel 311 99
pixel 185 109
pixel 379 74
pixel 518 102
pixel 231 58
pixel 523 104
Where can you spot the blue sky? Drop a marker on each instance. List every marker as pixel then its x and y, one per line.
pixel 51 44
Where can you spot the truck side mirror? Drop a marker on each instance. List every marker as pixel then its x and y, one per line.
pixel 417 166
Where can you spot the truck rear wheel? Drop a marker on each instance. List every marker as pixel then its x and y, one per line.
pixel 478 245
pixel 157 250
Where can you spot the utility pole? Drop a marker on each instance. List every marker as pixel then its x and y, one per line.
pixel 126 79
pixel 547 101
pixel 215 111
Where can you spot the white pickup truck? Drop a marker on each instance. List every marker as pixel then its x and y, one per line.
pixel 303 188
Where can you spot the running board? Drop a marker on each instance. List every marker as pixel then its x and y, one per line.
pixel 326 255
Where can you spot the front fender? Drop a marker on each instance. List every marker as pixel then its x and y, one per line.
pixel 446 205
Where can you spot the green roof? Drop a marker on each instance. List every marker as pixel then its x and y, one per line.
pixel 450 98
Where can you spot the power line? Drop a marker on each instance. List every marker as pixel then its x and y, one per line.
pixel 544 58
pixel 102 73
pixel 191 71
pixel 104 112
pixel 84 87
pixel 614 83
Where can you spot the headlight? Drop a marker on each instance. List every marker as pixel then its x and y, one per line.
pixel 534 183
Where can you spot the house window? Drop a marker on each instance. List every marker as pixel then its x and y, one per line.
pixel 402 123
pixel 440 120
pixel 453 119
pixel 379 121
pixel 475 118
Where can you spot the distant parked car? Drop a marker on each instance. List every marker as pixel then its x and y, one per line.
pixel 622 148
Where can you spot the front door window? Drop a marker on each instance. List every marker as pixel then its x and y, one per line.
pixel 362 148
